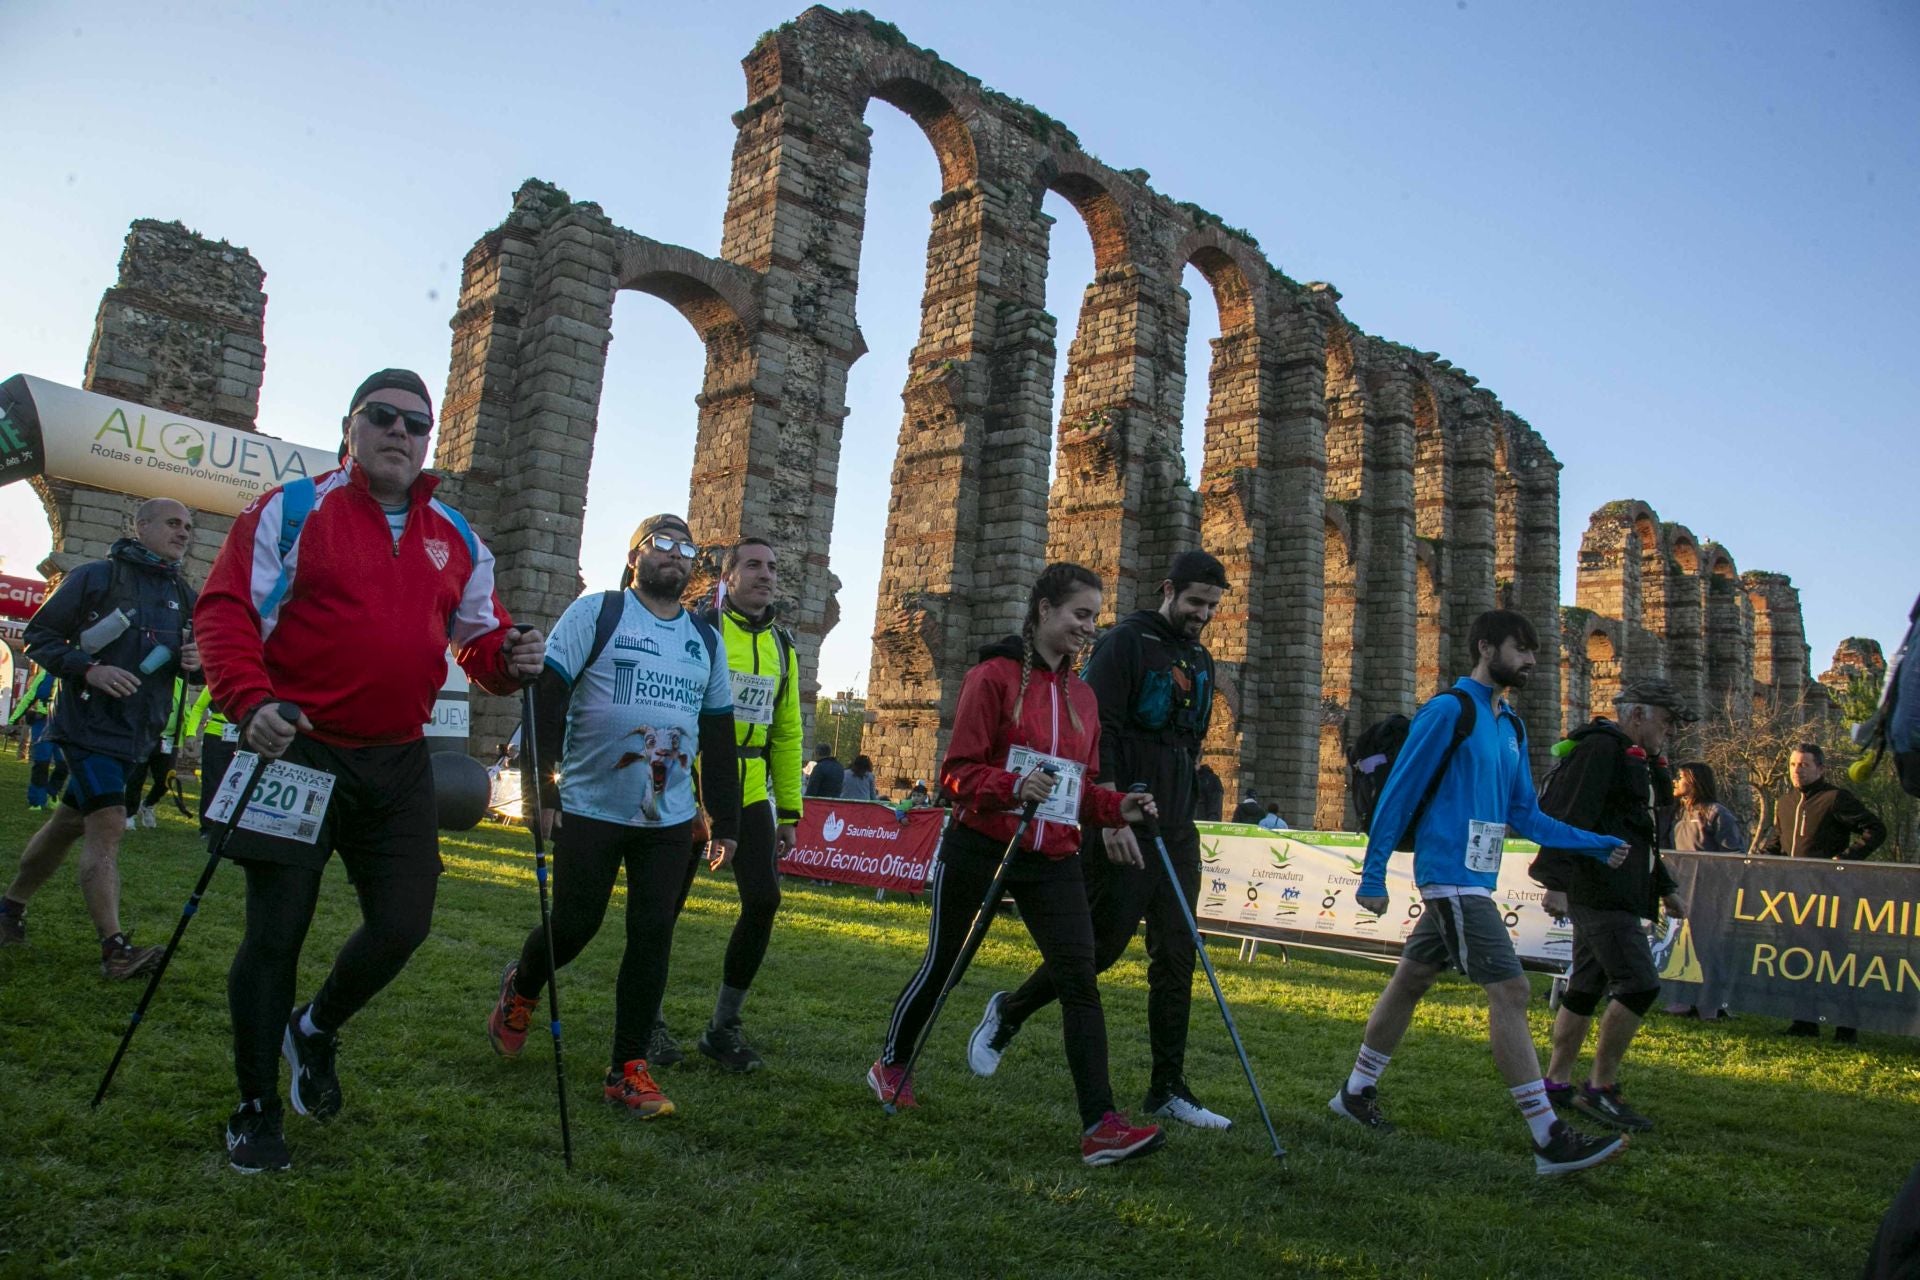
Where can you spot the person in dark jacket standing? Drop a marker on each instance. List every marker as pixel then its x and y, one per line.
pixel 116 632
pixel 1211 797
pixel 1155 682
pixel 827 776
pixel 1816 819
pixel 1614 781
pixel 1026 732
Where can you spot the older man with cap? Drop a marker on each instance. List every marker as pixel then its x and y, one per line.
pixel 340 595
pixel 634 688
pixel 1155 682
pixel 1612 778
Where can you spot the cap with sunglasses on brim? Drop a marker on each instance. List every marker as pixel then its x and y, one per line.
pixel 1656 692
pixel 663 523
pixel 386 380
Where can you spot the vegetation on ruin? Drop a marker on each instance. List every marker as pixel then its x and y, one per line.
pixel 1774 1157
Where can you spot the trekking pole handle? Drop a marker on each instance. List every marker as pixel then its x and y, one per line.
pixel 1032 807
pixel 1152 824
pixel 520 628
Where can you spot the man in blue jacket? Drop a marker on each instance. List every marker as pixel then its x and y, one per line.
pixel 1458 785
pixel 116 632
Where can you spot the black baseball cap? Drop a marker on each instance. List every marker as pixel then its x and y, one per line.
pixel 1198 566
pixel 1653 691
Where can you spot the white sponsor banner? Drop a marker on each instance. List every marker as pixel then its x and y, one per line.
pixel 1298 886
pixel 135 448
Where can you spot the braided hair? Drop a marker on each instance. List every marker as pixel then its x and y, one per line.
pixel 1057 582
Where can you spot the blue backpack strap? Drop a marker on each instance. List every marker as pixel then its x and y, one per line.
pixel 612 605
pixel 466 531
pixel 708 634
pixel 296 504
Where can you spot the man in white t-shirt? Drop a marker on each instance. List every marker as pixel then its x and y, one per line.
pixel 641 687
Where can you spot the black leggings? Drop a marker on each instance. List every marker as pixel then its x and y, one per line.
pixel 395 914
pixel 1053 905
pixel 587 856
pixel 756 874
pixel 160 765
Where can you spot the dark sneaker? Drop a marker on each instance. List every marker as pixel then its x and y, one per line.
pixel 315 1088
pixel 1609 1108
pixel 990 1039
pixel 1809 1029
pixel 1362 1107
pixel 120 959
pixel 1568 1150
pixel 13 930
pixel 662 1049
pixel 512 1015
pixel 255 1142
pixel 1178 1103
pixel 632 1087
pixel 1846 1035
pixel 1115 1139
pixel 890 1084
pixel 1560 1095
pixel 728 1046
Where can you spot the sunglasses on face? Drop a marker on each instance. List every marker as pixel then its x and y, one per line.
pixel 383 416
pixel 661 542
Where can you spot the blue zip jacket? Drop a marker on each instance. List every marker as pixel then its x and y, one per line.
pixel 1489 779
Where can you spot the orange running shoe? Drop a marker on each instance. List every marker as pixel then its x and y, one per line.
pixel 632 1087
pixel 512 1015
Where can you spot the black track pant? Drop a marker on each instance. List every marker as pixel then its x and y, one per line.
pixel 1121 897
pixel 395 914
pixel 587 857
pixel 1053 905
pixel 756 874
pixel 160 766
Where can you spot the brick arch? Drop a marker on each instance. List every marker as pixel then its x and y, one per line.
pixel 946 118
pixel 714 296
pixel 1104 205
pixel 1231 267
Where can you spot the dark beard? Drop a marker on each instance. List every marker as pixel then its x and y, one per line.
pixel 1509 677
pixel 661 584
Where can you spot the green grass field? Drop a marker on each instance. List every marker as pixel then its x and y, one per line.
pixel 1773 1157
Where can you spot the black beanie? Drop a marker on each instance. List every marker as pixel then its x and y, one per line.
pixel 390 380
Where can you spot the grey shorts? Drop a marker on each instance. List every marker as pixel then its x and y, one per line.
pixel 1611 950
pixel 1466 934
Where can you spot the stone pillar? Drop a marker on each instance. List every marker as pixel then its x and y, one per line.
pixel 181 330
pixel 1780 655
pixel 1536 578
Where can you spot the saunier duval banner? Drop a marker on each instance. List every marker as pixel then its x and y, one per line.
pixel 80 436
pixel 859 842
pixel 1298 886
pixel 1798 938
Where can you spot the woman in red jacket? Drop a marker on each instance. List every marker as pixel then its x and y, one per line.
pixel 1022 709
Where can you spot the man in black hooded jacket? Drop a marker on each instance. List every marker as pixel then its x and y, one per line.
pixel 1612 781
pixel 1155 683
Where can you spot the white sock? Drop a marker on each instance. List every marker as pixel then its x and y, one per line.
pixel 306 1023
pixel 1531 1098
pixel 1367 1068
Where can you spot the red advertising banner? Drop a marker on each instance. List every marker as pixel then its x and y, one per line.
pixel 859 842
pixel 19 597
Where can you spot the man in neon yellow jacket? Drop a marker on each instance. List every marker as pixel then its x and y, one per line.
pixel 767 734
pixel 216 748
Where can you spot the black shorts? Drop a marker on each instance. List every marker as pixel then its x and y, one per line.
pixel 1467 933
pixel 381 817
pixel 1610 950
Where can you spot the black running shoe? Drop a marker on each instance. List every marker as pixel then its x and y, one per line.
pixel 1560 1095
pixel 316 1088
pixel 1568 1150
pixel 728 1046
pixel 1363 1107
pixel 662 1049
pixel 1609 1108
pixel 255 1143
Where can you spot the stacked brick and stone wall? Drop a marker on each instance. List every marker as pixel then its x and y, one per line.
pixel 1654 600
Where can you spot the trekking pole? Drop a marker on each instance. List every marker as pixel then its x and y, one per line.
pixel 530 749
pixel 1200 946
pixel 216 851
pixel 976 934
pixel 175 787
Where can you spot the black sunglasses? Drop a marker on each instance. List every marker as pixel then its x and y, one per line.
pixel 382 416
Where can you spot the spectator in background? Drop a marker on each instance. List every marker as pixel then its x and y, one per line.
pixel 1209 794
pixel 918 797
pixel 1698 822
pixel 1816 819
pixel 1271 819
pixel 827 776
pixel 858 782
pixel 1249 812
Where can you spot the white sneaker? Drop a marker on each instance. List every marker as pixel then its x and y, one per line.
pixel 130 822
pixel 148 818
pixel 989 1039
pixel 1181 1106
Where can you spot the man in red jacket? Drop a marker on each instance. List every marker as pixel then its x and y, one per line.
pixel 341 595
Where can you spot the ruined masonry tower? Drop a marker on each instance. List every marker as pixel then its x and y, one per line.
pixel 1368 499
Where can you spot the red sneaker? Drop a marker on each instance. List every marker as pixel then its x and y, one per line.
pixel 889 1084
pixel 1114 1140
pixel 512 1014
pixel 632 1087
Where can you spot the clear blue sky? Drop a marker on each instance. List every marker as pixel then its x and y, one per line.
pixel 1679 239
